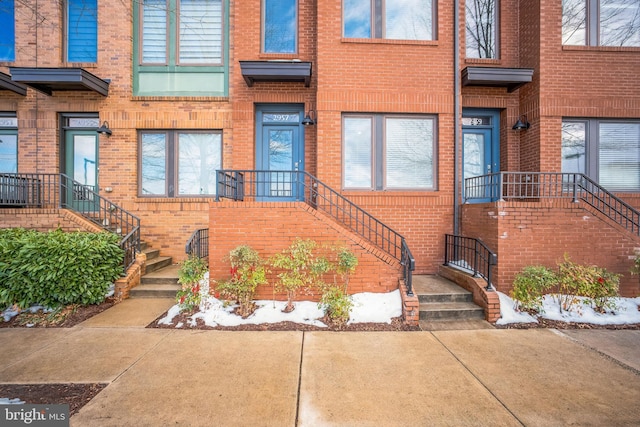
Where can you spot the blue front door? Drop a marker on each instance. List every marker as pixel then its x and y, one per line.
pixel 279 152
pixel 480 154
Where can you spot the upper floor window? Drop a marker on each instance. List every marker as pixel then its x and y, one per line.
pixel 185 32
pixel 608 151
pixel 7 31
pixel 8 143
pixel 481 24
pixel 406 20
pixel 601 22
pixel 279 26
pixel 388 152
pixel 81 30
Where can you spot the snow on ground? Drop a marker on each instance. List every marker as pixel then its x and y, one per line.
pixel 625 312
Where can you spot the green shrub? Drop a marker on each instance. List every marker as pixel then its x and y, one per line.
pixel 336 304
pixel 346 264
pixel 191 272
pixel 595 283
pixel 530 286
pixel 57 268
pixel 247 272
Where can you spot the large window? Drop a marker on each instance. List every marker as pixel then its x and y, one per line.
pixel 8 143
pixel 401 20
pixel 82 30
pixel 279 26
pixel 481 24
pixel 601 22
pixel 389 152
pixel 179 45
pixel 179 163
pixel 607 151
pixel 7 31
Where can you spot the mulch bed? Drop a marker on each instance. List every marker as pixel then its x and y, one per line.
pixel 75 395
pixel 67 317
pixel 555 324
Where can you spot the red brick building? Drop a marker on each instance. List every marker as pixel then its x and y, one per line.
pixel 406 101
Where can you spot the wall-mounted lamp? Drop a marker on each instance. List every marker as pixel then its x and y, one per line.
pixel 104 129
pixel 522 123
pixel 309 119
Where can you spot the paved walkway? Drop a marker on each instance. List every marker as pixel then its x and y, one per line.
pixel 161 377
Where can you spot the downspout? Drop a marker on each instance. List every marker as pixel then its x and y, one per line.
pixel 456 117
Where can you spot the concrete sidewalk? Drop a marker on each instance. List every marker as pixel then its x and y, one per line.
pixel 161 377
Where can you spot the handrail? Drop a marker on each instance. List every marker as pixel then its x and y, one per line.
pixel 470 254
pixel 198 243
pixel 301 186
pixel 553 185
pixel 41 190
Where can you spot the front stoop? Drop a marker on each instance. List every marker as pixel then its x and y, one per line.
pixel 161 278
pixel 446 306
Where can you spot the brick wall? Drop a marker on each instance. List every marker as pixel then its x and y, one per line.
pixel 541 233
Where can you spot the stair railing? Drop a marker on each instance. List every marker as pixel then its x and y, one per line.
pixel 470 255
pixel 268 185
pixel 38 190
pixel 198 243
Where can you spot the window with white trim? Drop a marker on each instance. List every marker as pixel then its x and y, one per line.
pixel 608 151
pixel 385 152
pixel 405 20
pixel 601 22
pixel 179 163
pixel 8 143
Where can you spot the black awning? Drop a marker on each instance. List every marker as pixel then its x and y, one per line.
pixel 48 80
pixel 511 78
pixel 276 71
pixel 7 84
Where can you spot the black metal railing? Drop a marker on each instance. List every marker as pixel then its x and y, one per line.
pixel 551 185
pixel 471 255
pixel 198 243
pixel 60 191
pixel 256 185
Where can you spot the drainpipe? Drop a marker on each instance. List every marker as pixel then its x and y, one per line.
pixel 456 117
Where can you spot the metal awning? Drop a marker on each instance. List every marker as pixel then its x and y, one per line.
pixel 511 78
pixel 276 71
pixel 7 84
pixel 48 80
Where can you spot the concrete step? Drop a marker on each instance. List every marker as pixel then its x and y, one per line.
pixel 450 311
pixel 164 276
pixel 151 253
pixel 158 262
pixel 455 325
pixel 154 291
pixel 443 301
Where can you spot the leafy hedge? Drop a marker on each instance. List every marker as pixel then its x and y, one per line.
pixel 57 268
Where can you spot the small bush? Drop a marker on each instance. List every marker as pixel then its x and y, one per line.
pixel 191 272
pixel 530 285
pixel 247 272
pixel 57 268
pixel 336 304
pixel 595 283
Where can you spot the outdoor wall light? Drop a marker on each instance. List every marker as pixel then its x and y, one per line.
pixel 104 129
pixel 522 123
pixel 309 119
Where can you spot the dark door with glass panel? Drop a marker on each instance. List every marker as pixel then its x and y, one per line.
pixel 480 156
pixel 279 153
pixel 81 165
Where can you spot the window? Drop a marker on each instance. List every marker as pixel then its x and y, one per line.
pixel 279 26
pixel 82 30
pixel 7 31
pixel 8 143
pixel 481 23
pixel 605 150
pixel 406 20
pixel 388 152
pixel 601 22
pixel 179 163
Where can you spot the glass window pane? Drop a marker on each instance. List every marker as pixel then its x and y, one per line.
pixel 620 23
pixel 481 28
pixel 85 159
pixel 409 153
pixel 199 156
pixel 409 20
pixel 200 31
pixel 9 153
pixel 574 22
pixel 154 31
pixel 7 31
pixel 154 164
pixel 357 152
pixel 473 153
pixel 82 31
pixel 574 152
pixel 619 156
pixel 357 18
pixel 280 26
